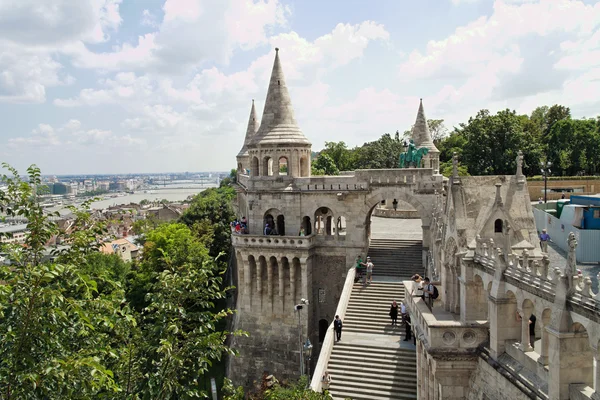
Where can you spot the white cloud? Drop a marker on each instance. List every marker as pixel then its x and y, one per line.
pixel 526 51
pixel 191 33
pixel 71 136
pixel 149 19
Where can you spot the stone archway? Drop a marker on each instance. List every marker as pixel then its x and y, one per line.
pixel 422 203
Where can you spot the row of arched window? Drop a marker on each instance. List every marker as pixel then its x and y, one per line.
pixel 278 167
pixel 323 223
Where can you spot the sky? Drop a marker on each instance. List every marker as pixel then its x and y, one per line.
pixel 135 86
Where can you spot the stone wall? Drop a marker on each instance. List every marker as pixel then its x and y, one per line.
pixel 487 383
pixel 272 346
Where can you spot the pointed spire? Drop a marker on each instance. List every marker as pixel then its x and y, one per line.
pixel 250 131
pixel 420 131
pixel 278 125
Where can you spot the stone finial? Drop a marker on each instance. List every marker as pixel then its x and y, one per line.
pixel 498 200
pixel 519 163
pixel 455 164
pixel 571 267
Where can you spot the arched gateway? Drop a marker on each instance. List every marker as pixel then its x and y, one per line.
pixel 326 228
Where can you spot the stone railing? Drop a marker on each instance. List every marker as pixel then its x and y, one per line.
pixel 295 242
pixel 535 273
pixel 327 345
pixel 440 332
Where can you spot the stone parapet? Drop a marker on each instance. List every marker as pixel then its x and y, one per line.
pixel 439 331
pixel 280 242
pixel 327 345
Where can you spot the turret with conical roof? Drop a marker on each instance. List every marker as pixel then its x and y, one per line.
pixel 242 157
pixel 422 138
pixel 279 147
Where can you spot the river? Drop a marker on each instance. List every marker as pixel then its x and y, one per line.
pixel 171 193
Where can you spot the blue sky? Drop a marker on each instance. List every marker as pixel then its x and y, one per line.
pixel 110 86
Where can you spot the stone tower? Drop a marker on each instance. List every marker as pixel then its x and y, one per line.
pixel 243 162
pixel 422 137
pixel 279 148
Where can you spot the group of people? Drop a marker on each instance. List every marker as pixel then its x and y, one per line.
pixel 239 227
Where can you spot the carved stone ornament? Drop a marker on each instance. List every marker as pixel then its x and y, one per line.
pixel 469 337
pixel 449 337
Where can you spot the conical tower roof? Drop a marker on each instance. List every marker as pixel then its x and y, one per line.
pixel 250 131
pixel 278 125
pixel 420 131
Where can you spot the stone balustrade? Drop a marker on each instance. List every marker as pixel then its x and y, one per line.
pixel 261 241
pixel 536 273
pixel 243 180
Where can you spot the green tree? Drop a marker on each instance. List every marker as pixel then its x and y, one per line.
pixel 382 153
pixel 180 323
pixel 574 147
pixel 493 141
pixel 59 335
pixel 210 212
pixel 324 165
pixel 342 157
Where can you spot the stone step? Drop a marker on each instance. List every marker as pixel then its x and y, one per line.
pixel 383 383
pixel 344 394
pixel 360 354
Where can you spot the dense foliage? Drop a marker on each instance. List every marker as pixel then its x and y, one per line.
pixel 487 144
pixel 79 324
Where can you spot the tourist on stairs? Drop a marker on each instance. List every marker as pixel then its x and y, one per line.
pixel 369 266
pixel 337 327
pixel 394 313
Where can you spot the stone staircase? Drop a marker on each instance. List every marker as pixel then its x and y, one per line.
pixel 369 307
pixel 400 258
pixel 371 362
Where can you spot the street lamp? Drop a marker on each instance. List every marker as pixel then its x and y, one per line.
pixel 308 353
pixel 298 308
pixel 545 168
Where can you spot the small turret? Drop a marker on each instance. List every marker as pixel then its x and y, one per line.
pixel 279 147
pixel 422 138
pixel 242 157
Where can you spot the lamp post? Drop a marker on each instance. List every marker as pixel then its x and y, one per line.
pixel 308 353
pixel 545 169
pixel 298 308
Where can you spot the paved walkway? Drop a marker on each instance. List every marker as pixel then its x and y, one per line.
pixel 396 228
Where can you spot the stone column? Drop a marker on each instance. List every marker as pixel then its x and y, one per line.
pixel 247 283
pixel 502 324
pixel 596 395
pixel 525 346
pixel 281 294
pixel 543 359
pixel 270 268
pixel 259 269
pixel 570 361
pixel 293 295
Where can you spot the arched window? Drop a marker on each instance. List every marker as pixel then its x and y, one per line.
pixel 498 226
pixel 306 225
pixel 324 221
pixel 239 169
pixel 283 166
pixel 254 167
pixel 273 222
pixel 267 166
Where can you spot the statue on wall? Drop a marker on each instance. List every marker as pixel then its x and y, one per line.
pixel 412 156
pixel 571 268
